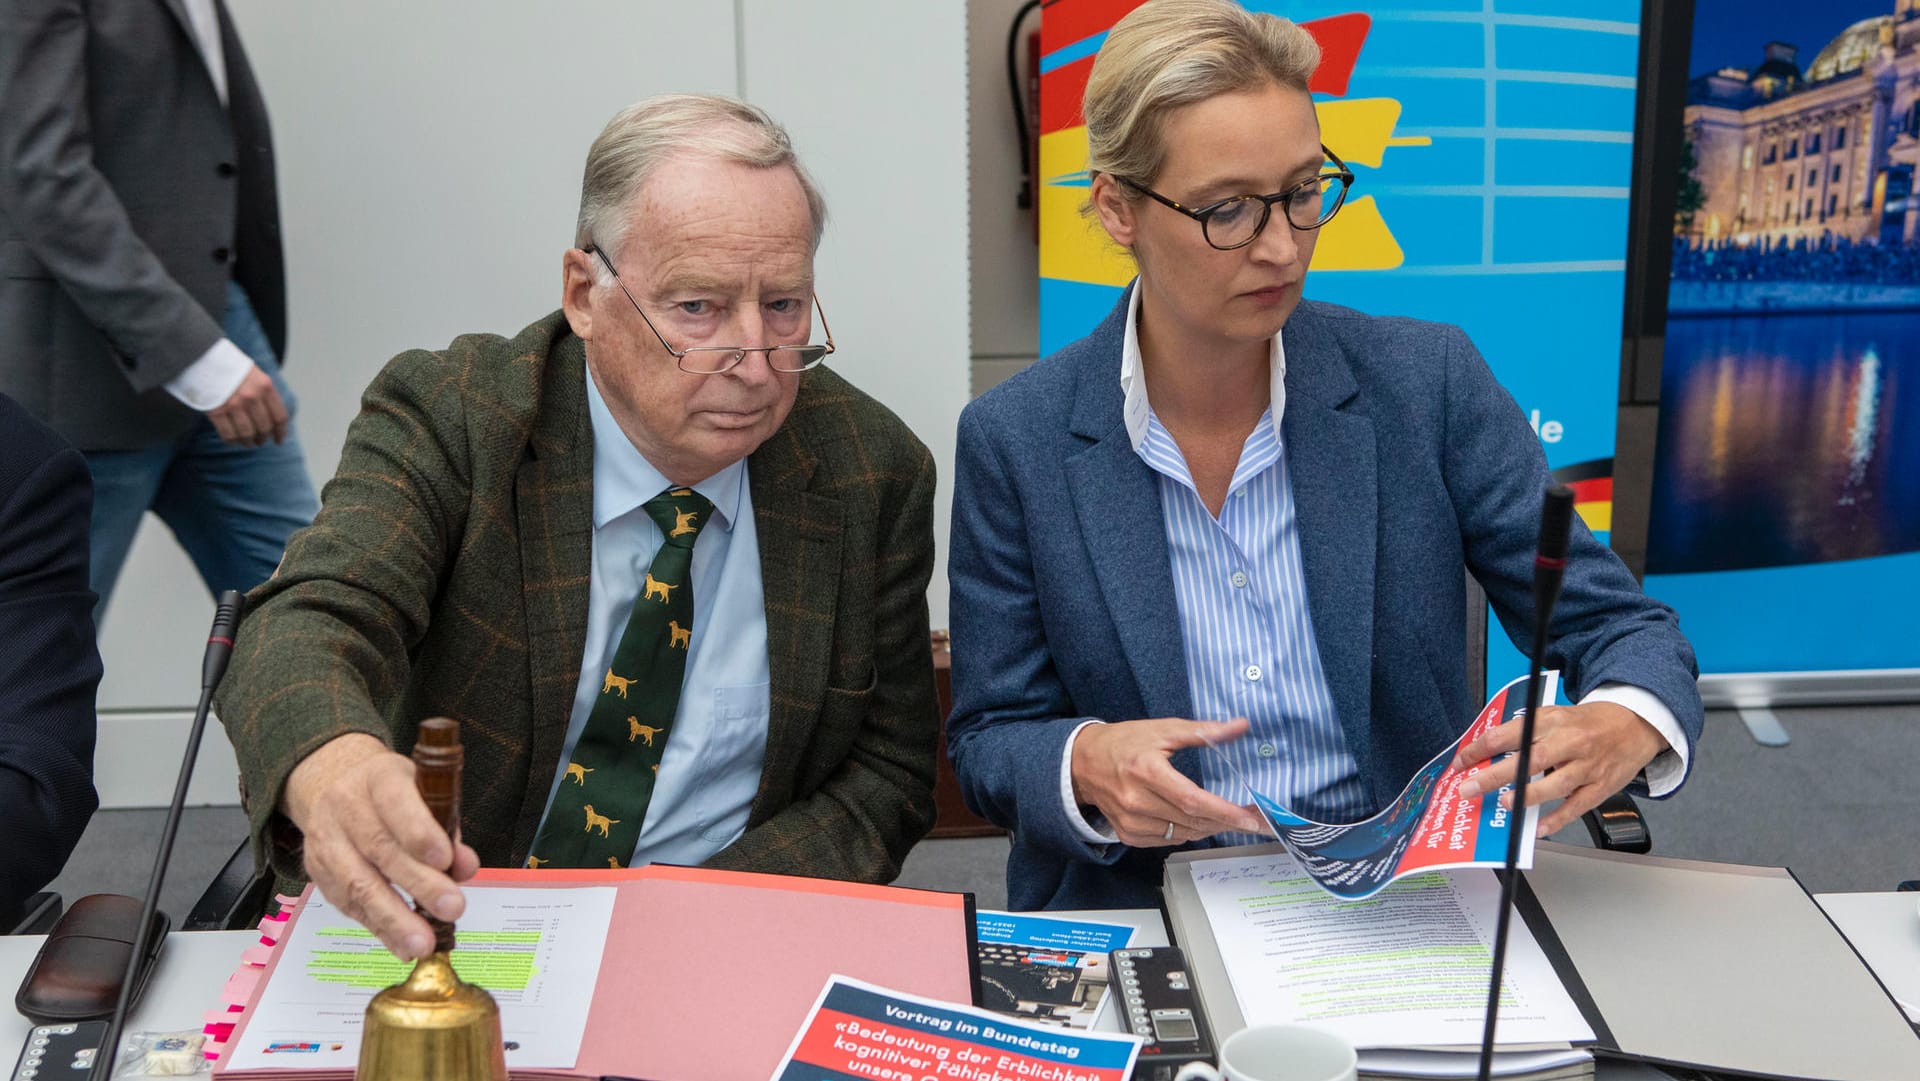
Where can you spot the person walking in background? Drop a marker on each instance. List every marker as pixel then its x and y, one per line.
pixel 143 304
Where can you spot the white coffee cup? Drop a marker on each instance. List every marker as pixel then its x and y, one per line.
pixel 1279 1053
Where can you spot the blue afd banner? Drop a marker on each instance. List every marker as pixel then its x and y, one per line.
pixel 1492 143
pixel 1785 516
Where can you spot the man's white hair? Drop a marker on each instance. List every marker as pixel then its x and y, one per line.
pixel 646 134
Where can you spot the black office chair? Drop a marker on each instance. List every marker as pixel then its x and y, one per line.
pixel 36 916
pixel 1616 825
pixel 235 899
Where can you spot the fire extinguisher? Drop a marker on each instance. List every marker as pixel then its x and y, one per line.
pixel 1026 107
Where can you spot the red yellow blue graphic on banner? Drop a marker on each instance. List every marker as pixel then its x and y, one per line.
pixel 1358 129
pixel 1492 142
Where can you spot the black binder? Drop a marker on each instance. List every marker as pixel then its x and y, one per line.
pixel 1711 966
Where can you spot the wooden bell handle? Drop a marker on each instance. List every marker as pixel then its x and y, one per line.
pixel 437 758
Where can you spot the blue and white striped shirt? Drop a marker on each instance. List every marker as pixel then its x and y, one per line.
pixel 1250 648
pixel 1242 598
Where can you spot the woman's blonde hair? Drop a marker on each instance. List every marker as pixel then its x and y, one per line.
pixel 1170 53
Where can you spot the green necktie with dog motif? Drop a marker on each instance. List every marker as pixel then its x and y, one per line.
pixel 596 813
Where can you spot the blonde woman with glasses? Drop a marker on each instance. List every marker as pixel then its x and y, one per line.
pixel 1232 516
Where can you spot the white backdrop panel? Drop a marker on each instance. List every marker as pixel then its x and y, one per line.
pixel 875 95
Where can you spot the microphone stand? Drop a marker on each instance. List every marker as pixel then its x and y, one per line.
pixel 1549 565
pixel 226 619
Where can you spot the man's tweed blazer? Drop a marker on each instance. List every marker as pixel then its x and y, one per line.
pixel 446 575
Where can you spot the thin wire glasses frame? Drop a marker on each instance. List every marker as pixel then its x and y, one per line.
pixel 780 358
pixel 1228 213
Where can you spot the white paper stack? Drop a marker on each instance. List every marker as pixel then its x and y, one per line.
pixel 1402 975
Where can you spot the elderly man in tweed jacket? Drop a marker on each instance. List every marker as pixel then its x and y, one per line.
pixel 484 553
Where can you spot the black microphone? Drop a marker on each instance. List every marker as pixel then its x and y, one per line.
pixel 226 620
pixel 1549 568
pixel 1550 562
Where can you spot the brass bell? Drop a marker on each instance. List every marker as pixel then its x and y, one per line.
pixel 434 1026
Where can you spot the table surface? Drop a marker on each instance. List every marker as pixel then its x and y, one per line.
pixel 193 966
pixel 1885 929
pixel 186 983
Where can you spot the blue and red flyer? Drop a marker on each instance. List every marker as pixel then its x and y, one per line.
pixel 1045 970
pixel 1428 827
pixel 859 1032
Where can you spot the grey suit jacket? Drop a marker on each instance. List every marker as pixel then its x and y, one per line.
pixel 1407 461
pixel 128 197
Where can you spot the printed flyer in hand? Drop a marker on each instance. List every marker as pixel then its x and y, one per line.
pixel 1427 828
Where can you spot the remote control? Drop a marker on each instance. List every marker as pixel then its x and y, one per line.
pixel 1159 1004
pixel 59 1052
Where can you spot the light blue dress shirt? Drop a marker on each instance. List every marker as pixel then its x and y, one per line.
pixel 711 768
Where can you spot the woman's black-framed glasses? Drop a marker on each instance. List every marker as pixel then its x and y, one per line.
pixel 1234 222
pixel 714 359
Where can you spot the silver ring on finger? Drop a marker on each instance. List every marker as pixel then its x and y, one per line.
pixel 1168 836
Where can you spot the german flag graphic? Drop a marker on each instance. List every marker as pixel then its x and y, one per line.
pixel 1592 484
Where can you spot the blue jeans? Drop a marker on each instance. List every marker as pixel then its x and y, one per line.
pixel 231 507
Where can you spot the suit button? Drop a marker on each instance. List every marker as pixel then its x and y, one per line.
pixel 225 168
pixel 222 255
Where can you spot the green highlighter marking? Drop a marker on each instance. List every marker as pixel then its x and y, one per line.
pixel 367 964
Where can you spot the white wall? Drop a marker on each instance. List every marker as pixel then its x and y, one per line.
pixel 873 92
pixel 429 157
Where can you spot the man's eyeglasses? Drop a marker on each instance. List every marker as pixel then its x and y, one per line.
pixel 1234 222
pixel 714 359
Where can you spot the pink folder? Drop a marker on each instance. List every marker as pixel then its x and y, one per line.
pixel 708 974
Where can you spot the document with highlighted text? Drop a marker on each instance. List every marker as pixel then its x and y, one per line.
pixel 1406 968
pixel 537 951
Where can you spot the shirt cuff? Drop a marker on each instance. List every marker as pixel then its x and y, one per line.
pixel 1669 767
pixel 1096 832
pixel 207 383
